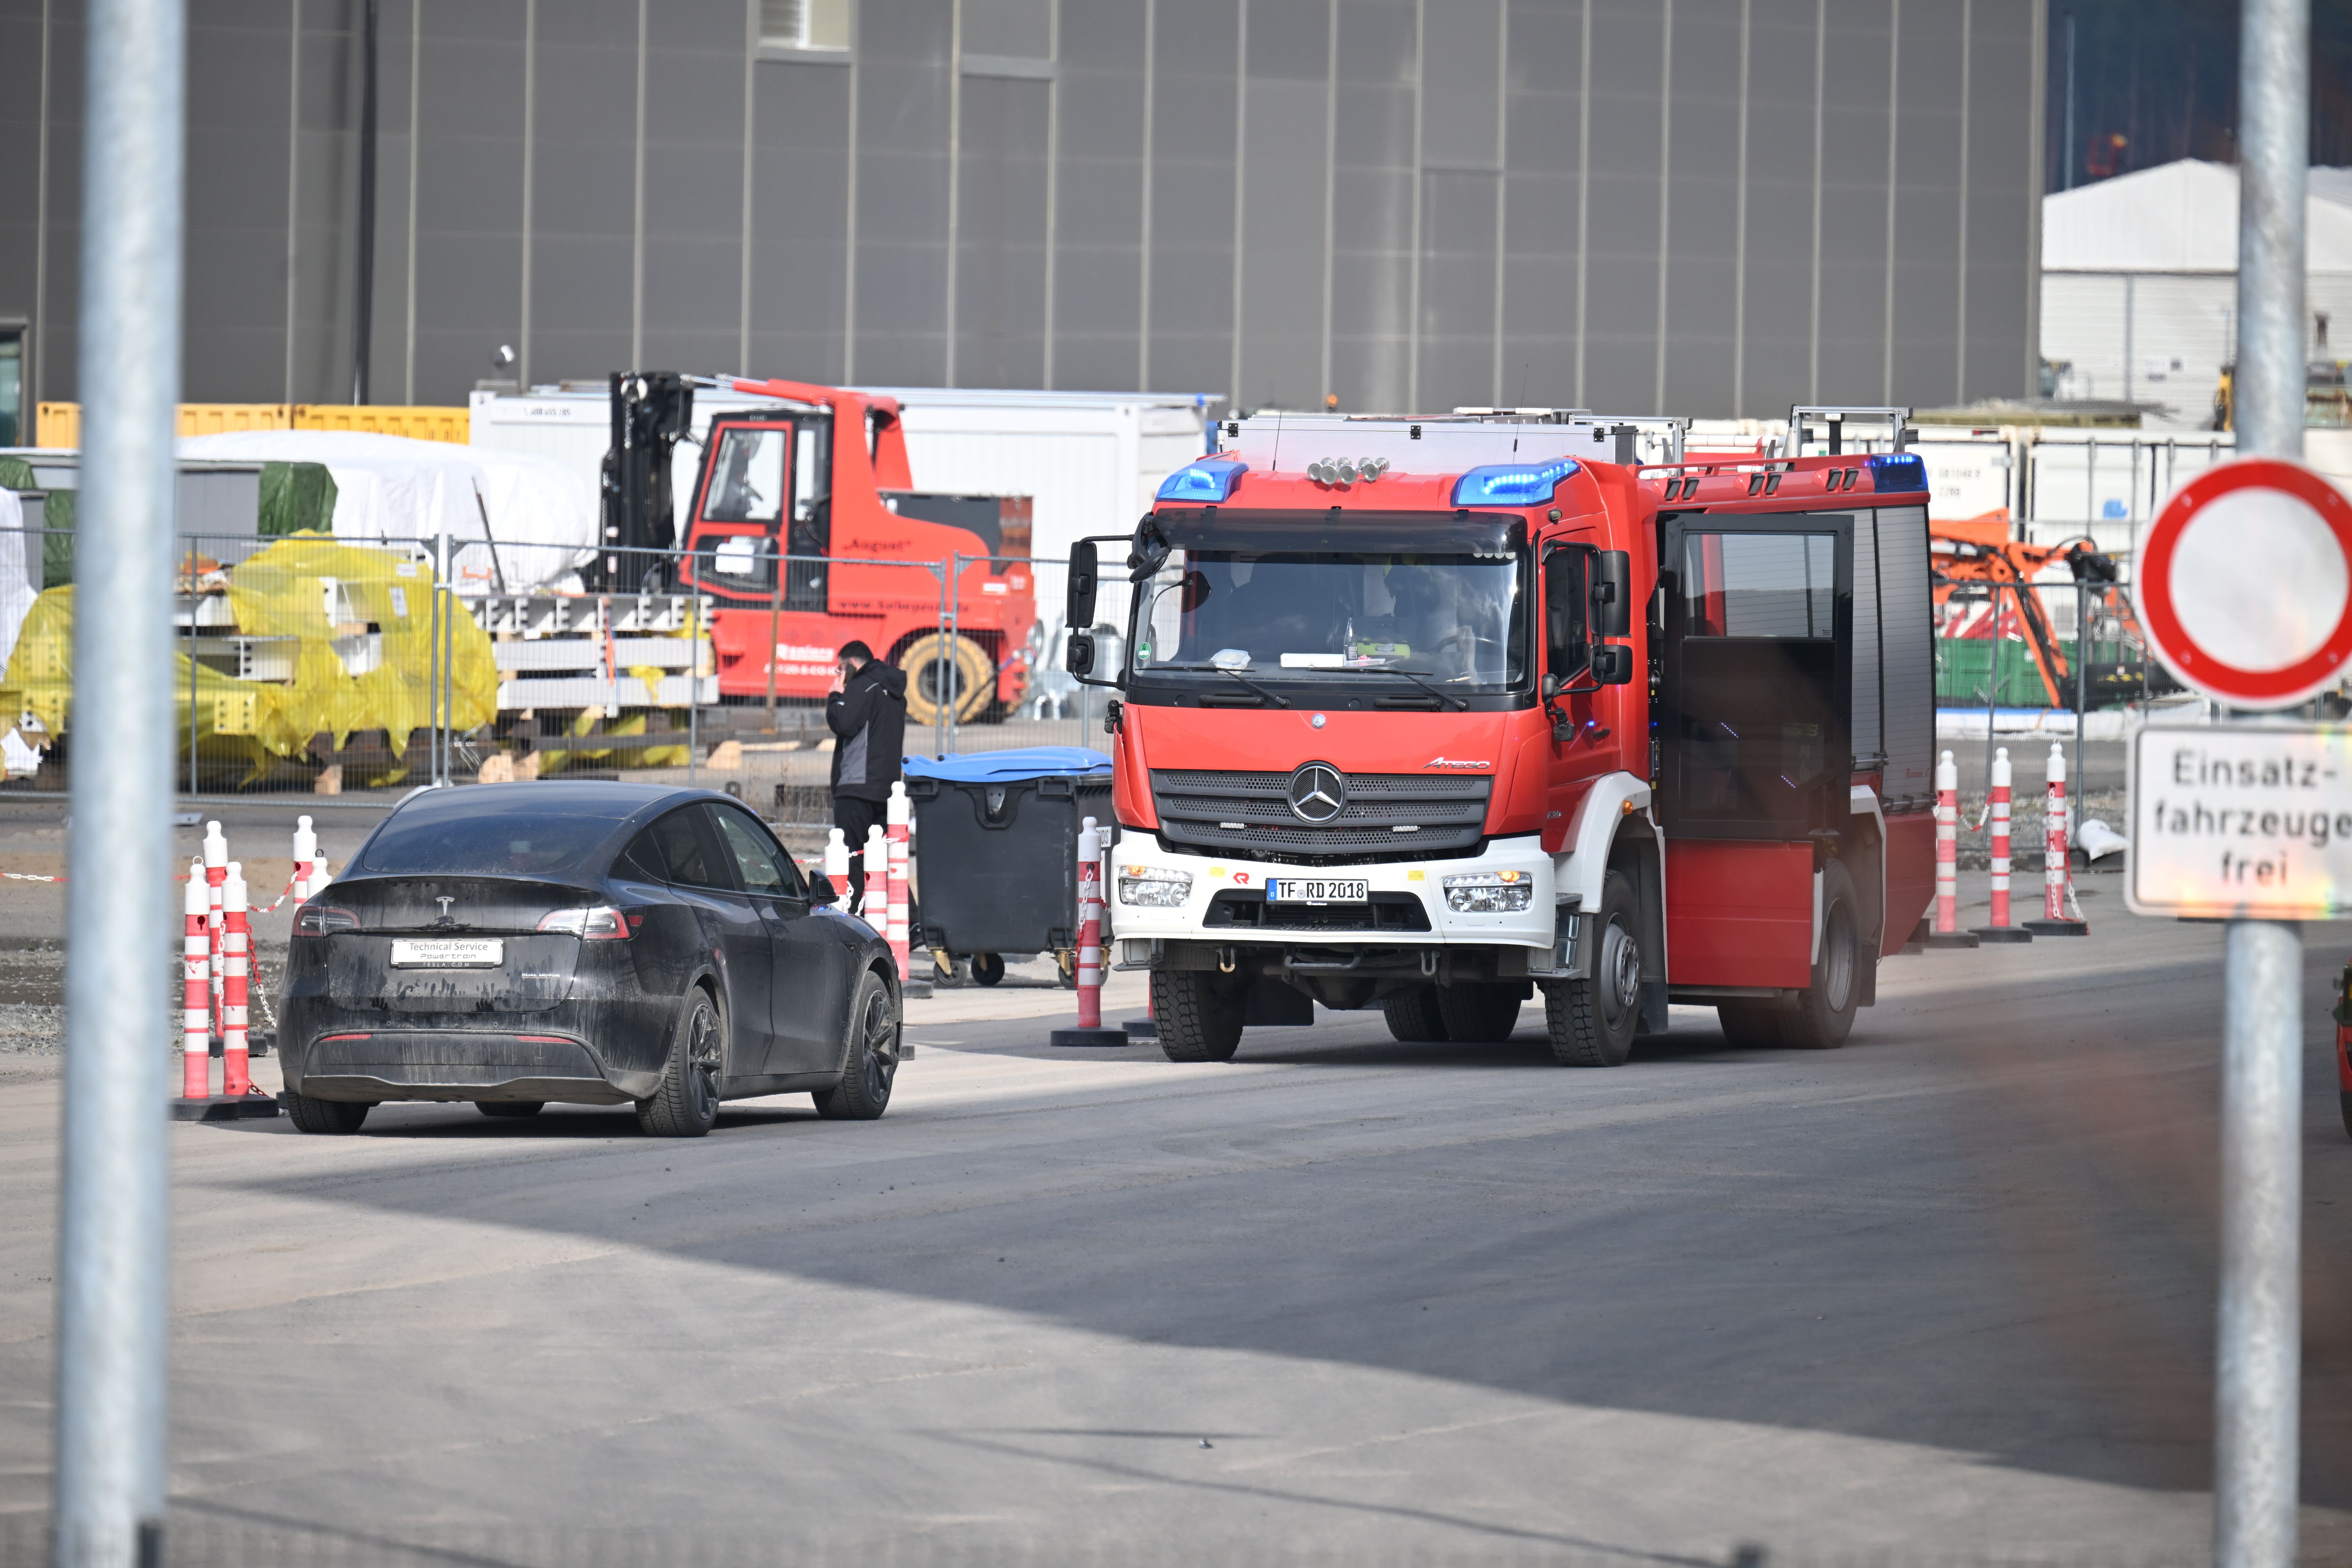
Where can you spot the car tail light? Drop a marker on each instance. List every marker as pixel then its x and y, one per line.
pixel 323 920
pixel 602 923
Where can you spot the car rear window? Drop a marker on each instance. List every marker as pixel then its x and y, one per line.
pixel 515 843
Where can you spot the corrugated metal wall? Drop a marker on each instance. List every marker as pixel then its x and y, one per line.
pixel 1699 206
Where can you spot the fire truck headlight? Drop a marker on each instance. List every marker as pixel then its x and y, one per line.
pixel 1489 893
pixel 1151 887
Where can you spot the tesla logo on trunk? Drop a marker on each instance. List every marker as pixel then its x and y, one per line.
pixel 1318 793
pixel 444 901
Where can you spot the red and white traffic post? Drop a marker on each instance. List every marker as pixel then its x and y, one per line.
pixel 1948 931
pixel 1090 1030
pixel 836 863
pixel 309 870
pixel 1997 821
pixel 895 815
pixel 196 989
pixel 215 881
pixel 236 970
pixel 875 899
pixel 2057 874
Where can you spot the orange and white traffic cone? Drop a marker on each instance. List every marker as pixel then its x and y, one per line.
pixel 1948 931
pixel 2057 875
pixel 195 989
pixel 1997 819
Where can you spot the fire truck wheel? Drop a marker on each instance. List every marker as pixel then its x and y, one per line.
pixel 1592 1022
pixel 1198 1014
pixel 1474 1013
pixel 338 1116
pixel 1413 1016
pixel 937 663
pixel 1825 1011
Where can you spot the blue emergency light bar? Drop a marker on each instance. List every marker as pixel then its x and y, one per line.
pixel 1511 484
pixel 1891 472
pixel 1210 479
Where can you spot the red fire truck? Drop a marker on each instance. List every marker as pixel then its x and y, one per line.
pixel 1436 715
pixel 865 556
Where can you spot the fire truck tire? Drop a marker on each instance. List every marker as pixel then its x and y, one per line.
pixel 1413 1016
pixel 1592 1022
pixel 1198 1014
pixel 1478 1013
pixel 1823 1014
pixel 930 658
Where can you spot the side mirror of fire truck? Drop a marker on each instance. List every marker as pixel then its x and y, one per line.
pixel 1612 664
pixel 1084 569
pixel 1078 659
pixel 1613 595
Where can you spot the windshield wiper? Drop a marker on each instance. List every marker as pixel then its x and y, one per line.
pixel 1276 698
pixel 1390 669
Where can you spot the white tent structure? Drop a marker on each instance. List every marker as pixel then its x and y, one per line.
pixel 2140 287
pixel 540 513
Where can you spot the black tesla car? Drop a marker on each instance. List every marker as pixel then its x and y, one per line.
pixel 593 942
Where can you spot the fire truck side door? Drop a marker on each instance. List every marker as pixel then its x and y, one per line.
pixel 1757 674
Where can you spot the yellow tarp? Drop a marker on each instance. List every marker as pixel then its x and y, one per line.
pixel 282 592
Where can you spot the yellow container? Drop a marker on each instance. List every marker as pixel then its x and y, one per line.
pixel 60 424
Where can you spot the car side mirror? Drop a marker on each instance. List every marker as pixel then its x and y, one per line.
pixel 821 890
pixel 1612 594
pixel 1084 570
pixel 1612 664
pixel 1079 658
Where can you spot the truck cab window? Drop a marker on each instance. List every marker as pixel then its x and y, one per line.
pixel 1446 618
pixel 747 481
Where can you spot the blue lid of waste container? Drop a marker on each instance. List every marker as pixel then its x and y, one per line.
pixel 1021 763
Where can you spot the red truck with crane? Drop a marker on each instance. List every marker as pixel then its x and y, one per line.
pixel 1440 715
pixel 863 553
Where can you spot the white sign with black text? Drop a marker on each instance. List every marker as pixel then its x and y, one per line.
pixel 2243 821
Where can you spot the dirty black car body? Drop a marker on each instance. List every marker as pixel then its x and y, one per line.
pixel 585 941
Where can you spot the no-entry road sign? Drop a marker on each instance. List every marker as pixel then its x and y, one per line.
pixel 2242 821
pixel 2244 583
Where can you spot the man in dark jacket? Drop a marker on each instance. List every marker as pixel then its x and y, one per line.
pixel 867 711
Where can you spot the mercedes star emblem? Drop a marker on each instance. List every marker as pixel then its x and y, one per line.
pixel 1318 793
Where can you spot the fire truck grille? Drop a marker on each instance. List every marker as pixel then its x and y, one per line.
pixel 1238 813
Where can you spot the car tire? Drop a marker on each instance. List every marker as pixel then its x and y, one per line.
pixel 987 968
pixel 686 1105
pixel 1825 1012
pixel 1592 1022
pixel 510 1109
pixel 1414 1016
pixel 869 1057
pixel 341 1117
pixel 1198 1014
pixel 1478 1013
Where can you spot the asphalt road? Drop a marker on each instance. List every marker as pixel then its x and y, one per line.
pixel 1944 1295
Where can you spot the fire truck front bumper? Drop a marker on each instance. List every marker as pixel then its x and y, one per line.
pixel 1178 909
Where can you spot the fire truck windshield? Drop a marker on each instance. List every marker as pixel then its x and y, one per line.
pixel 1455 620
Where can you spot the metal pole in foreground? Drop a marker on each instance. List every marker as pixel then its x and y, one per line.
pixel 111 1363
pixel 2256 1400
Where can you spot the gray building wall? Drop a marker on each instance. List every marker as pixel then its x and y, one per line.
pixel 1694 206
